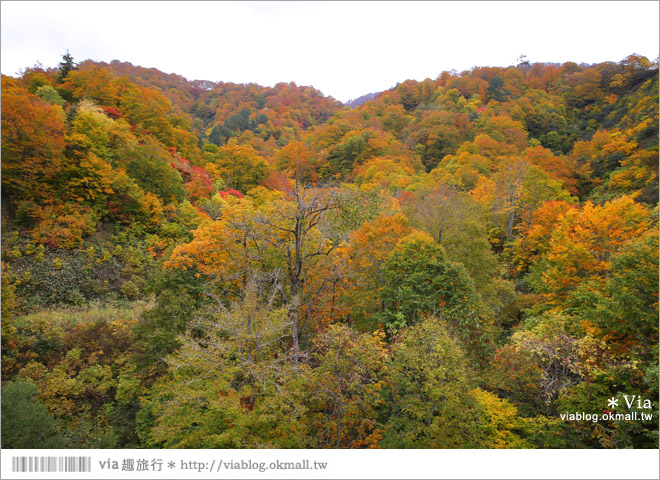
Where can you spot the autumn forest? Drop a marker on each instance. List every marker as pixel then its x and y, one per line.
pixel 459 262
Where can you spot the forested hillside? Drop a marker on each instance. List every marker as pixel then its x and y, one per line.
pixel 457 263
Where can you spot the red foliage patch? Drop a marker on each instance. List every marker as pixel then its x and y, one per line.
pixel 199 185
pixel 405 197
pixel 182 164
pixel 231 191
pixel 113 112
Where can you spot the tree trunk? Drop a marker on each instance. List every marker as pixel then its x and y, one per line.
pixel 295 306
pixel 338 444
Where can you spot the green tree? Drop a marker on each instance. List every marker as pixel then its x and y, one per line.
pixel 219 135
pixel 179 294
pixel 25 420
pixel 429 404
pixel 50 95
pixel 625 307
pixel 149 166
pixel 458 224
pixel 420 281
pixel 496 89
pixel 66 65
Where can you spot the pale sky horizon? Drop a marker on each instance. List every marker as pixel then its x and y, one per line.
pixel 344 49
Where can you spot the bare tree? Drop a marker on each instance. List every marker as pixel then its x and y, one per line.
pixel 295 223
pixel 509 196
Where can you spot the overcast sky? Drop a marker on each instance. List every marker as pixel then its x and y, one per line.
pixel 344 49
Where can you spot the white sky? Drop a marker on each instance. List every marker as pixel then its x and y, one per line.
pixel 344 49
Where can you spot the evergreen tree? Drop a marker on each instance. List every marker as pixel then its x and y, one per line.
pixel 66 65
pixel 25 420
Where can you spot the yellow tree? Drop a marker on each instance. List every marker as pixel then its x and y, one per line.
pixel 583 242
pixel 503 194
pixel 513 193
pixel 237 166
pixel 392 172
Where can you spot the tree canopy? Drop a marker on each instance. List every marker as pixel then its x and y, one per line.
pixel 458 262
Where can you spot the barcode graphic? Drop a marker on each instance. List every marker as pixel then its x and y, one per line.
pixel 51 464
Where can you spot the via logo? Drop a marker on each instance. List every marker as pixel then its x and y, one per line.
pixel 632 401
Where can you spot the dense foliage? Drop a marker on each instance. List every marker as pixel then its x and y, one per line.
pixel 453 263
